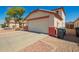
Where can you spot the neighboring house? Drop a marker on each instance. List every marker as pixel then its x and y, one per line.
pixel 45 21
pixel 70 25
pixel 24 25
pixel 12 24
pixel 76 23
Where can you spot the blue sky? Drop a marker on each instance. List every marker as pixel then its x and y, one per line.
pixel 72 12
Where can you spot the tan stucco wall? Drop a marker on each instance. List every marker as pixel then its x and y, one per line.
pixel 58 23
pixel 51 20
pixel 17 25
pixel 76 24
pixel 11 25
pixel 63 16
pixel 37 14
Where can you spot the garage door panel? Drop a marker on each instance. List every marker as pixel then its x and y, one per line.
pixel 39 25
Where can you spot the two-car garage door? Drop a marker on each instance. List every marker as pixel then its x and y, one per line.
pixel 38 25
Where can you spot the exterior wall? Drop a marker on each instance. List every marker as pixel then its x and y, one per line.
pixel 76 24
pixel 12 21
pixel 40 25
pixel 17 25
pixel 61 13
pixel 25 24
pixel 58 23
pixel 52 29
pixel 63 21
pixel 37 14
pixel 70 25
pixel 13 25
pixel 51 21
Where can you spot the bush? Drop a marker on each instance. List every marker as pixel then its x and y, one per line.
pixel 3 25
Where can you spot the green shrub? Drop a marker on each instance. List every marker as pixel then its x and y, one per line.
pixel 3 25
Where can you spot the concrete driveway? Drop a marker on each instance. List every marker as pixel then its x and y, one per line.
pixel 15 41
pixel 24 41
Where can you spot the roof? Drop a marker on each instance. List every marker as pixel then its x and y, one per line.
pixel 60 9
pixel 37 18
pixel 69 22
pixel 11 21
pixel 46 11
pixel 77 19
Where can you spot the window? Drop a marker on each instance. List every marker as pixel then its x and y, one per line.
pixel 59 12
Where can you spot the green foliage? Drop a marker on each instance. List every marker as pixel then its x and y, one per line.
pixel 3 25
pixel 20 11
pixel 15 12
pixel 7 19
pixel 11 12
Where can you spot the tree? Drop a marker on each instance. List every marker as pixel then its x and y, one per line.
pixel 16 13
pixel 7 19
pixel 20 11
pixel 3 25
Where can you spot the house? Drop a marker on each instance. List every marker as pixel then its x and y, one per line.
pixel 13 24
pixel 24 25
pixel 70 25
pixel 76 23
pixel 45 21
